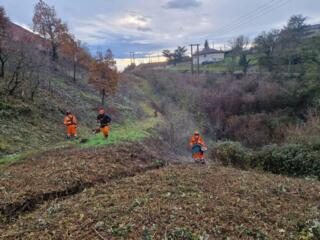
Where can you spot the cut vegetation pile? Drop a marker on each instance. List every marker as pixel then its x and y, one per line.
pixel 62 173
pixel 178 202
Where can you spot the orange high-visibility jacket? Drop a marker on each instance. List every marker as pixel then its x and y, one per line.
pixel 70 120
pixel 194 141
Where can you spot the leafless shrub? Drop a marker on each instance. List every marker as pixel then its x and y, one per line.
pixel 178 129
pixel 307 132
pixel 24 71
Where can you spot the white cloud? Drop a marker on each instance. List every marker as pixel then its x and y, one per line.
pixel 103 26
pixel 154 24
pixel 136 21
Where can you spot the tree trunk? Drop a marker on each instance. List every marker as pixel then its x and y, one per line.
pixel 54 52
pixel 289 66
pixel 14 80
pixel 74 71
pixel 49 83
pixel 2 69
pixel 103 96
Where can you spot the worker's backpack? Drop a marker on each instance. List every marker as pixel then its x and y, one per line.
pixel 197 148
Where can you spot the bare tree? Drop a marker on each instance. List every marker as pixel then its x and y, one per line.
pixel 103 76
pixel 266 48
pixel 49 26
pixel 239 44
pixel 3 41
pixel 26 67
pixel 206 45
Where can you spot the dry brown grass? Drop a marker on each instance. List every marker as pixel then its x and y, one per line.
pixel 177 202
pixel 61 173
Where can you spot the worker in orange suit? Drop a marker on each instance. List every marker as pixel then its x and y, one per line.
pixel 104 119
pixel 70 121
pixel 198 147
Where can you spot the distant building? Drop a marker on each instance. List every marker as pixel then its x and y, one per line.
pixel 313 30
pixel 208 55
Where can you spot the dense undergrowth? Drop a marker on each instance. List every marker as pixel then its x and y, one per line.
pixel 289 159
pixel 274 118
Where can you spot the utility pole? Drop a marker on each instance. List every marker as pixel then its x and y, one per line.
pixel 132 58
pixel 198 60
pixel 192 68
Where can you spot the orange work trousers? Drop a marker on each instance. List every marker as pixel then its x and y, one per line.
pixel 198 156
pixel 72 130
pixel 105 131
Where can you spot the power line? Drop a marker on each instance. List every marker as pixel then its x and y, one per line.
pixel 249 20
pixel 244 17
pixel 253 16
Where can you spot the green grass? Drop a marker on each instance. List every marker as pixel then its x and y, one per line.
pixel 147 109
pixel 129 131
pixel 17 157
pixel 126 132
pixel 214 68
pixel 219 67
pixel 7 159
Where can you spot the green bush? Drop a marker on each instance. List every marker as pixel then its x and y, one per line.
pixel 232 153
pixel 290 159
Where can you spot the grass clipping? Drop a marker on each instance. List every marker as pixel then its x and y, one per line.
pixel 178 202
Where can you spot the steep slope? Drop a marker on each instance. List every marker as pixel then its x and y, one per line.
pixel 29 125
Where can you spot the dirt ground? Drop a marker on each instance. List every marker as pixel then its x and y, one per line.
pixel 59 173
pixel 133 198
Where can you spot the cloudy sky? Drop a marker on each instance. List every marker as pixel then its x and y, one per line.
pixel 148 26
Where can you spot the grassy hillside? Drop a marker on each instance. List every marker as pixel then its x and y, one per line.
pixel 227 65
pixel 29 125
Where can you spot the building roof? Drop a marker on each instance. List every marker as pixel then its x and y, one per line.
pixel 20 34
pixel 312 30
pixel 206 51
pixel 313 27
